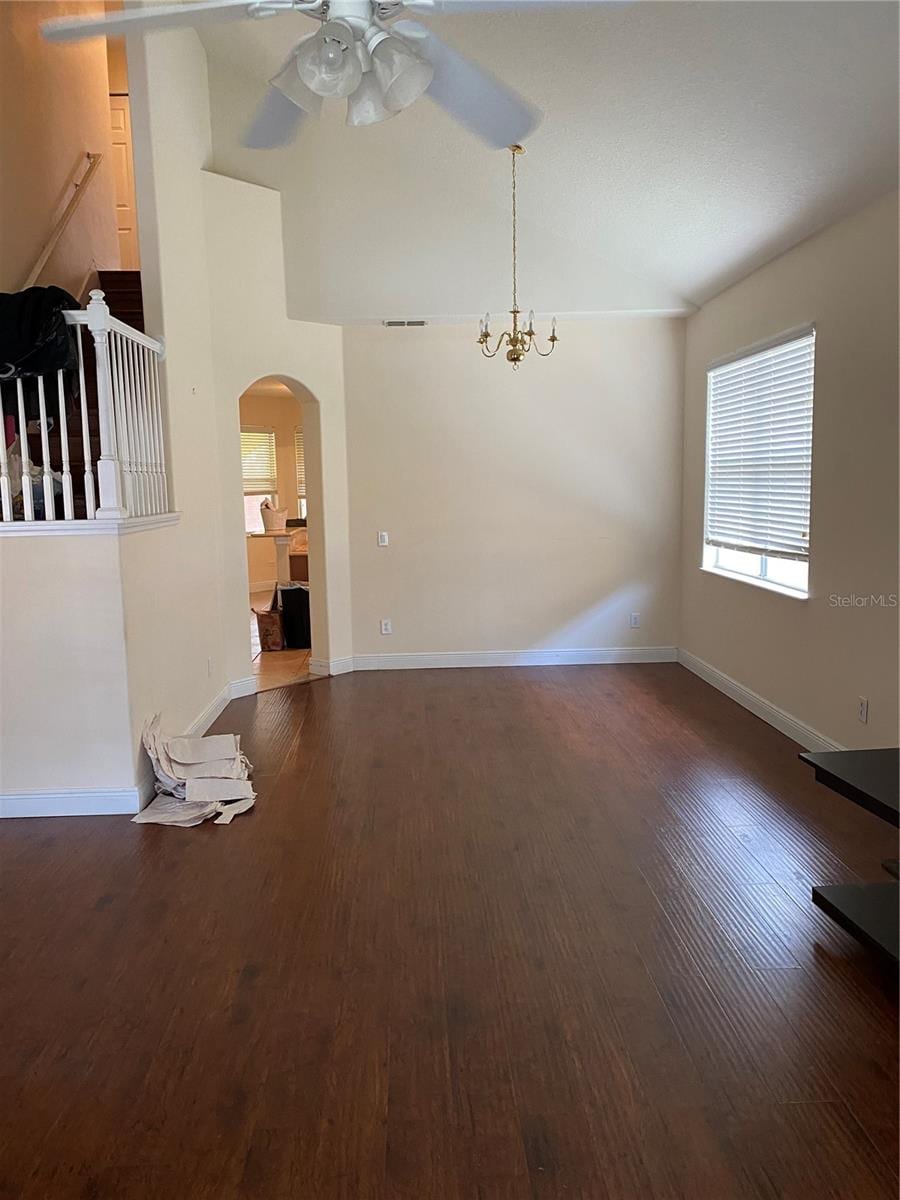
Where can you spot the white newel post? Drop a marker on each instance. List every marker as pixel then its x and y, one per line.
pixel 109 477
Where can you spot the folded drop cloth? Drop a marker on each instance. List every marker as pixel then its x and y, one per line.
pixel 196 778
pixel 203 749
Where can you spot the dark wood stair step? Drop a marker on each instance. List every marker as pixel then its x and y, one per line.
pixel 125 296
pixel 120 279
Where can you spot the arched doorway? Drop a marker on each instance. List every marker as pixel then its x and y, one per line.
pixel 281 468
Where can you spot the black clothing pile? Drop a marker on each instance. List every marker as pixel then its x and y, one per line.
pixel 35 340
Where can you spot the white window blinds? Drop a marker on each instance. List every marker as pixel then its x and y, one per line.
pixel 258 462
pixel 759 450
pixel 301 463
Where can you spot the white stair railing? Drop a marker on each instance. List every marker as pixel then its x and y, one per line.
pixel 128 478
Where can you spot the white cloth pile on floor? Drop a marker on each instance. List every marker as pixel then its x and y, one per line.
pixel 196 778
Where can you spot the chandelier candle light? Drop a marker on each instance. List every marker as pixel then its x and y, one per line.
pixel 518 341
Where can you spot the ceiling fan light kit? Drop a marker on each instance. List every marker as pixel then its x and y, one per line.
pixel 380 70
pixel 328 63
pixel 362 54
pixel 402 75
pixel 366 105
pixel 291 86
pixel 518 341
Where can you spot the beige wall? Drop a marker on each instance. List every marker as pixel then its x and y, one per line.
pixel 157 620
pixel 217 296
pixel 254 339
pixel 172 577
pixel 54 107
pixel 808 657
pixel 526 512
pixel 64 719
pixel 273 407
pixel 529 510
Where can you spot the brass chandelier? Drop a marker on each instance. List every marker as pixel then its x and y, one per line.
pixel 518 341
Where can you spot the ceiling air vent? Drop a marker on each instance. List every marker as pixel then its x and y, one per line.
pixel 402 324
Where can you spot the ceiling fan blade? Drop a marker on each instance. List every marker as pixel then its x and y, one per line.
pixel 438 7
pixel 142 20
pixel 471 94
pixel 275 122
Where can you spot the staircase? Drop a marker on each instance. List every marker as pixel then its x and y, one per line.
pixel 124 296
pixel 125 300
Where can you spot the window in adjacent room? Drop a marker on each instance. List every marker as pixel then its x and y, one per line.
pixel 758 463
pixel 301 473
pixel 259 474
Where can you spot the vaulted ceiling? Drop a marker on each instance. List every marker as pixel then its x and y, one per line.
pixel 683 145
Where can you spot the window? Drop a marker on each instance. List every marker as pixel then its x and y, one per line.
pixel 301 472
pixel 259 474
pixel 758 461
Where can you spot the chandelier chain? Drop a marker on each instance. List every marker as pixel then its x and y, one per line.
pixel 518 340
pixel 515 297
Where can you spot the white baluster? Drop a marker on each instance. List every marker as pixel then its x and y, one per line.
pixel 109 477
pixel 49 501
pixel 120 390
pixel 140 401
pixel 90 499
pixel 27 491
pixel 68 498
pixel 144 359
pixel 157 465
pixel 6 512
pixel 160 438
pixel 157 436
pixel 134 450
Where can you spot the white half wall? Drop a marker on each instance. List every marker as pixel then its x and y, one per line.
pixel 527 511
pixel 64 715
pixel 813 658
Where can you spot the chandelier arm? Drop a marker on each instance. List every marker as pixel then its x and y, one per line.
pixel 486 350
pixel 546 353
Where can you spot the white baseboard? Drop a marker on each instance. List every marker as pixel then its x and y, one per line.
pixel 515 658
pixel 76 802
pixel 200 724
pixel 331 666
pixel 80 802
pixel 231 691
pixel 797 731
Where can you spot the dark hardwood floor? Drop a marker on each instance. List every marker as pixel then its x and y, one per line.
pixel 488 935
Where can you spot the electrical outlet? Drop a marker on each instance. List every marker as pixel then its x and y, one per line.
pixel 386 625
pixel 383 538
pixel 635 621
pixel 862 710
pixel 209 667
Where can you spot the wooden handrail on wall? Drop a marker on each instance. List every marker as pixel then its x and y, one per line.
pixel 81 185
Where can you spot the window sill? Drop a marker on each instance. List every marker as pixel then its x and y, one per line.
pixel 765 584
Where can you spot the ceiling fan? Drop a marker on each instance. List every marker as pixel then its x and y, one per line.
pixel 361 53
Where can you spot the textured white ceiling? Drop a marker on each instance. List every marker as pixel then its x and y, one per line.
pixel 683 145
